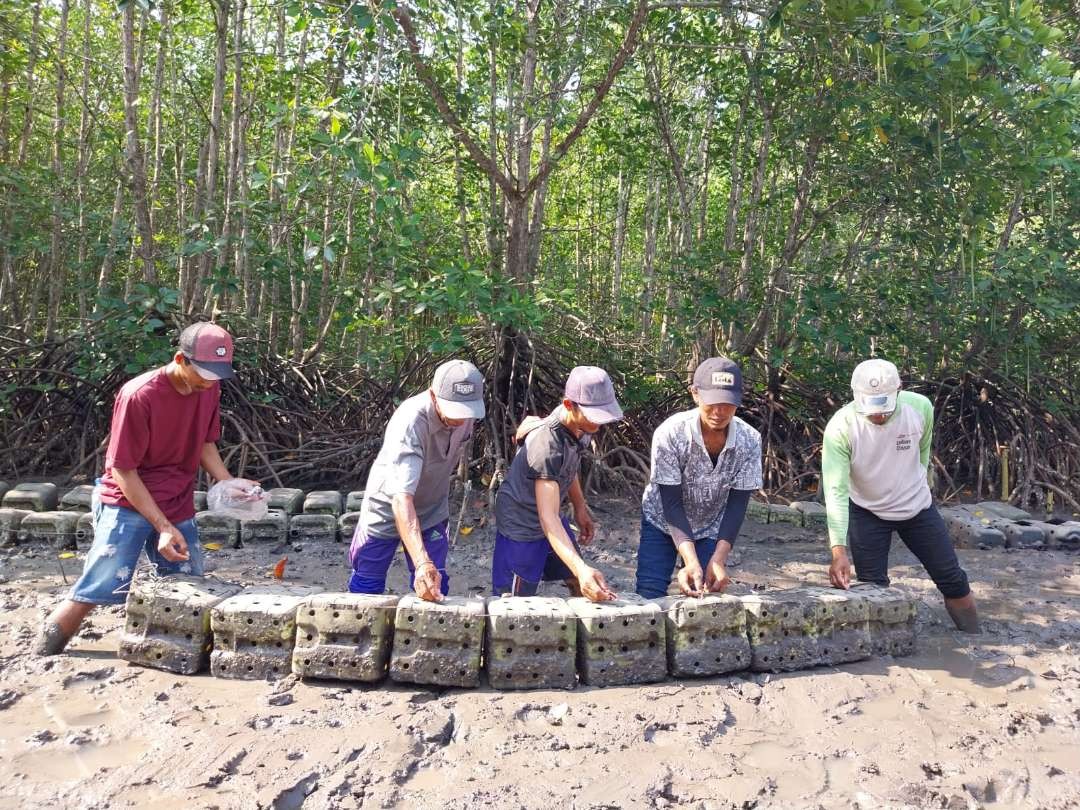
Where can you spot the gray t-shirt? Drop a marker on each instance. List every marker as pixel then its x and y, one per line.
pixel 679 457
pixel 550 452
pixel 419 455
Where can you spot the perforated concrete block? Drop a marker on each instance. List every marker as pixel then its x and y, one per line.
pixel 757 511
pixel 438 643
pixel 531 643
pixel 10 520
pixel 1018 534
pixel 844 632
pixel 1004 510
pixel 77 499
pixel 215 528
pixel 967 531
pixel 168 622
pixel 778 513
pixel 347 526
pixel 286 499
pixel 32 497
pixel 323 502
pixel 313 528
pixel 84 530
pixel 55 529
pixel 354 500
pixel 705 636
pixel 344 635
pixel 1062 534
pixel 892 619
pixel 620 642
pixel 255 630
pixel 273 528
pixel 199 498
pixel 813 514
pixel 783 628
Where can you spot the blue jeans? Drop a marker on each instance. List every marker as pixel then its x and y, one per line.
pixel 371 556
pixel 656 560
pixel 120 536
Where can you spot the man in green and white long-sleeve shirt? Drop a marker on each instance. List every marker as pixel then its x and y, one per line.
pixel 873 464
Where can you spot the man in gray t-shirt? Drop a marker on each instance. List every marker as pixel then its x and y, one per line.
pixel 407 496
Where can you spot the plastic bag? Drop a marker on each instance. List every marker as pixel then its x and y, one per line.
pixel 238 499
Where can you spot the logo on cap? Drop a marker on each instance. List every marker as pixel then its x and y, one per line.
pixel 874 382
pixel 723 378
pixel 464 388
pixel 220 351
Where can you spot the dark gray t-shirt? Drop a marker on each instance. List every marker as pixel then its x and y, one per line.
pixel 419 455
pixel 550 452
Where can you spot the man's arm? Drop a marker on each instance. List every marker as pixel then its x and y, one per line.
pixel 428 579
pixel 836 479
pixel 926 408
pixel 592 583
pixel 171 542
pixel 691 577
pixel 210 460
pixel 716 578
pixel 582 516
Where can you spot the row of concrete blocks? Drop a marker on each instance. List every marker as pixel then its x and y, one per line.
pixel 184 624
pixel 993 524
pixel 800 513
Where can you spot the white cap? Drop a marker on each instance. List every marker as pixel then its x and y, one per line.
pixel 875 384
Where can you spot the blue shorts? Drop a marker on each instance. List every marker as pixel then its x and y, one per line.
pixel 120 537
pixel 371 556
pixel 518 567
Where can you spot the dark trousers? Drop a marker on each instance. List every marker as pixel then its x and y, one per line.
pixel 925 535
pixel 656 560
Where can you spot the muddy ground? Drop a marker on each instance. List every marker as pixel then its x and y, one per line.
pixel 965 722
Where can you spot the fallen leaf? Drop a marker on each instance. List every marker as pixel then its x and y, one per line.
pixel 212 546
pixel 881 136
pixel 466 530
pixel 279 569
pixel 66 555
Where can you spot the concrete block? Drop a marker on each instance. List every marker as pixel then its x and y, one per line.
pixel 255 630
pixel 344 635
pixel 32 497
pixel 813 514
pixel 531 643
pixel 168 622
pixel 313 528
pixel 286 499
pixel 4 487
pixel 200 500
pixel 438 643
pixel 1061 534
pixel 620 642
pixel 705 636
pixel 215 528
pixel 757 511
pixel 892 619
pixel 1017 534
pixel 967 531
pixel 783 628
pixel 1004 510
pixel 778 513
pixel 323 502
pixel 77 499
pixel 10 520
pixel 844 632
pixel 347 526
pixel 84 530
pixel 354 500
pixel 274 528
pixel 55 529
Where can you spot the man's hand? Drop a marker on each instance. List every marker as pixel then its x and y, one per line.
pixel 428 582
pixel 691 579
pixel 716 577
pixel 840 570
pixel 586 525
pixel 172 545
pixel 593 585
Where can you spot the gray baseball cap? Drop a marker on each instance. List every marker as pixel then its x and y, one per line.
pixel 591 389
pixel 875 384
pixel 459 390
pixel 718 380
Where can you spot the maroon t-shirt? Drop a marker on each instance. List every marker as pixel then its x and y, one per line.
pixel 160 432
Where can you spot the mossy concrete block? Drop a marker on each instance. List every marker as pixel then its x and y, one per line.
pixel 892 619
pixel 438 643
pixel 347 526
pixel 531 643
pixel 77 499
pixel 844 634
pixel 620 642
pixel 344 635
pixel 168 622
pixel 323 502
pixel 286 499
pixel 778 513
pixel 1004 510
pixel 814 515
pixel 783 628
pixel 32 497
pixel 706 635
pixel 56 529
pixel 255 631
pixel 1060 534
pixel 968 531
pixel 273 528
pixel 1018 534
pixel 313 528
pixel 199 498
pixel 84 530
pixel 10 521
pixel 217 528
pixel 757 511
pixel 354 500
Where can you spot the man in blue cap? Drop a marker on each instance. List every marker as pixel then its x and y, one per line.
pixel 706 462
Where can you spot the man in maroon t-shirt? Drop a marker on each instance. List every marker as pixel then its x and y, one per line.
pixel 165 426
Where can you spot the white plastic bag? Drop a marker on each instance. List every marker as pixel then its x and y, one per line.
pixel 238 499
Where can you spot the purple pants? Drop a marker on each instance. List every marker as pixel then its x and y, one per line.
pixel 371 556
